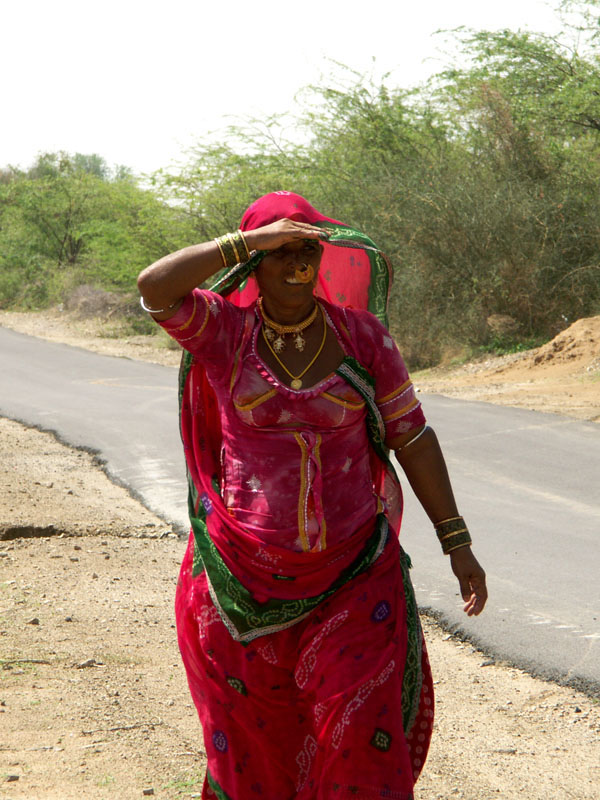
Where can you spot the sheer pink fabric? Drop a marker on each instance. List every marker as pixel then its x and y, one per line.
pixel 345 274
pixel 287 457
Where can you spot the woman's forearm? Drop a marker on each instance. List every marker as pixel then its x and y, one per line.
pixel 425 468
pixel 169 279
pixel 166 282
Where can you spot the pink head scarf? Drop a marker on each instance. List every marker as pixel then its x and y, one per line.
pixel 353 273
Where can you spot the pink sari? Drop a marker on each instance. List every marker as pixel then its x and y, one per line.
pixel 311 679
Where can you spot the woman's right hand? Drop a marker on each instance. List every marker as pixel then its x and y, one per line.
pixel 278 233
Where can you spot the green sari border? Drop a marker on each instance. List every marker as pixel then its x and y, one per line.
pixel 244 617
pixel 362 381
pixel 220 794
pixel 412 679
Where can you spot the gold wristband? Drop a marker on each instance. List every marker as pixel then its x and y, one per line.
pixel 452 533
pixel 242 239
pixel 233 249
pixel 457 546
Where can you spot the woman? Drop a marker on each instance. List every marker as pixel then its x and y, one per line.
pixel 296 619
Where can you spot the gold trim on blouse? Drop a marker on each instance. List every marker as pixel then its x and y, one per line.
pixel 188 322
pixel 303 498
pixel 414 402
pixel 341 402
pixel 395 393
pixel 321 542
pixel 256 402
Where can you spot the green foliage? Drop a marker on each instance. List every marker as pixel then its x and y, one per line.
pixel 218 183
pixel 69 221
pixel 482 187
pixel 502 345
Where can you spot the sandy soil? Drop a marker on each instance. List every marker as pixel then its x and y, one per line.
pixel 562 376
pixel 93 699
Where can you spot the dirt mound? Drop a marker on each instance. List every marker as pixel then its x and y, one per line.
pixel 561 377
pixel 580 342
pixel 88 301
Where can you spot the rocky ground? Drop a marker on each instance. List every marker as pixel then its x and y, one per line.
pixel 93 699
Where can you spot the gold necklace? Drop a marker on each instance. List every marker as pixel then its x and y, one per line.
pixel 296 379
pixel 274 329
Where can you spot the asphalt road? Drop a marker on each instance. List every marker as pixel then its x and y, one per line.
pixel 527 483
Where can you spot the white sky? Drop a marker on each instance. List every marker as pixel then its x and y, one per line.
pixel 138 82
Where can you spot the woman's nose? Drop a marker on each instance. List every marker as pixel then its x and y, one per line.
pixel 292 252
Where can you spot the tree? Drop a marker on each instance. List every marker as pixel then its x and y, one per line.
pixel 68 220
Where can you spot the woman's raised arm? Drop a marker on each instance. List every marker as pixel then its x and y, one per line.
pixel 164 284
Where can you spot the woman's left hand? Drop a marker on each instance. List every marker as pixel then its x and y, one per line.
pixel 471 579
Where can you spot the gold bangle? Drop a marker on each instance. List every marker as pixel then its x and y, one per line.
pixel 452 533
pixel 233 249
pixel 218 243
pixel 444 521
pixel 227 252
pixel 457 546
pixel 245 243
pixel 234 242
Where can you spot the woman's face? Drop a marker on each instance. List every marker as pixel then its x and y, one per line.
pixel 276 274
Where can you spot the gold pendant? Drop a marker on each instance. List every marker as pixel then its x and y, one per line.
pixel 299 341
pixel 269 333
pixel 296 383
pixel 279 344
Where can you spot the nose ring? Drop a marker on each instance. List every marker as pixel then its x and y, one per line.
pixel 305 273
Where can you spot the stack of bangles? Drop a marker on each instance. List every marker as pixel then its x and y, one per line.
pixel 452 533
pixel 233 249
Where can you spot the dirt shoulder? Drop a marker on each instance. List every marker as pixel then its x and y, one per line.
pixel 93 697
pixel 98 334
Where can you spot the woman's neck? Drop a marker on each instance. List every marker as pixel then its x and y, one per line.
pixel 289 316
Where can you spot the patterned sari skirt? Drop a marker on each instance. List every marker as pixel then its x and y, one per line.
pixel 339 705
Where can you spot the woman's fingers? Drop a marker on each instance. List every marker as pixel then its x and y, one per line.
pixel 476 597
pixel 290 230
pixel 278 233
pixel 471 579
pixel 475 603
